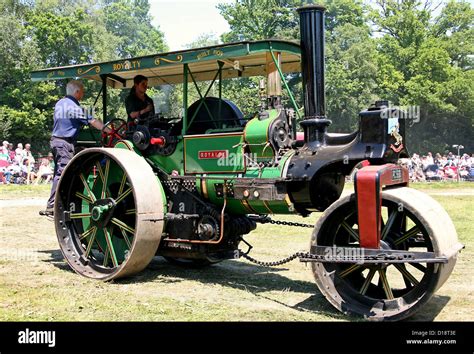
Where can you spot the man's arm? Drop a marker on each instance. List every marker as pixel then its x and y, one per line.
pixel 137 114
pixel 99 125
pixel 132 110
pixel 86 117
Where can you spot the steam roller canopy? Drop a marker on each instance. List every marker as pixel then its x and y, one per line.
pixel 109 213
pixel 386 291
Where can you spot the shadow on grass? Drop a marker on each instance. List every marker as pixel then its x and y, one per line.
pixel 235 274
pixel 431 309
pixel 57 259
pixel 231 273
pixel 248 277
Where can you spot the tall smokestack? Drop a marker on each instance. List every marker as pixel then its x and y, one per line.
pixel 312 68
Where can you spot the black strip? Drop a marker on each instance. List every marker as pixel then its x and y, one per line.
pixel 242 337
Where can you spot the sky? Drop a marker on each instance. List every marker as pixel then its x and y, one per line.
pixel 182 21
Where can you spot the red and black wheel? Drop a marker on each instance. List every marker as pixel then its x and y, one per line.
pixel 118 128
pixel 412 221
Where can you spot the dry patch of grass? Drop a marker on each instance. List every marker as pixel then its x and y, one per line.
pixel 13 191
pixel 36 283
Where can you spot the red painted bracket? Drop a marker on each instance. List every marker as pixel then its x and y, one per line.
pixel 368 184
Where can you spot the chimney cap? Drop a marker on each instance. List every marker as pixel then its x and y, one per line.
pixel 314 7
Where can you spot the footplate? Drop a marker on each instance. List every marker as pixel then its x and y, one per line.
pixel 334 254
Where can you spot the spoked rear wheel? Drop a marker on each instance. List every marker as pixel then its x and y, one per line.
pixel 411 220
pixel 108 213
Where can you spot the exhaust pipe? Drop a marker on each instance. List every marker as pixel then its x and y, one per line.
pixel 315 122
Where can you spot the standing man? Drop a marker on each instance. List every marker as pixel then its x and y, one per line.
pixel 29 162
pixel 69 117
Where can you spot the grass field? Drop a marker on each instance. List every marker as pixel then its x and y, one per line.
pixel 36 283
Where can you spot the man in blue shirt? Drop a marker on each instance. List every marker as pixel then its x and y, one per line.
pixel 69 117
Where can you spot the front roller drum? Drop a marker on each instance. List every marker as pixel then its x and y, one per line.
pixel 411 221
pixel 108 213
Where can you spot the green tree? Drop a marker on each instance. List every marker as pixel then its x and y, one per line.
pixel 130 22
pixel 350 52
pixel 22 104
pixel 427 62
pixel 48 33
pixel 259 19
pixel 350 75
pixel 387 49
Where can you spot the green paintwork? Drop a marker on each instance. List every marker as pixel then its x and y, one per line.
pixel 233 205
pixel 202 154
pixel 111 240
pixel 214 153
pixel 236 206
pixel 98 211
pixel 269 207
pixel 162 161
pixel 220 52
pixel 127 145
pixel 171 163
pixel 89 137
pixel 256 136
pixel 113 181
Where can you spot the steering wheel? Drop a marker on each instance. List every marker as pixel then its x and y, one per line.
pixel 117 127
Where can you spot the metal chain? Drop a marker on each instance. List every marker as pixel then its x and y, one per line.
pixel 274 263
pixel 288 259
pixel 267 220
pixel 303 256
pixel 307 257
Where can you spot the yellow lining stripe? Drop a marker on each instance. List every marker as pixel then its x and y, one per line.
pixel 265 203
pixel 246 204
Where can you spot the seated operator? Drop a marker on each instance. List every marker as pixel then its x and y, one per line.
pixel 138 104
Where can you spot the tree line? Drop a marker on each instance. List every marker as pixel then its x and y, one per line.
pixel 411 52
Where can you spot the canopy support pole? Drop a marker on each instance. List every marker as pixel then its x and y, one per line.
pixel 104 98
pixel 292 99
pixel 185 99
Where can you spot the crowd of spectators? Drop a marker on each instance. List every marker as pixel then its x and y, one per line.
pixel 440 167
pixel 18 166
